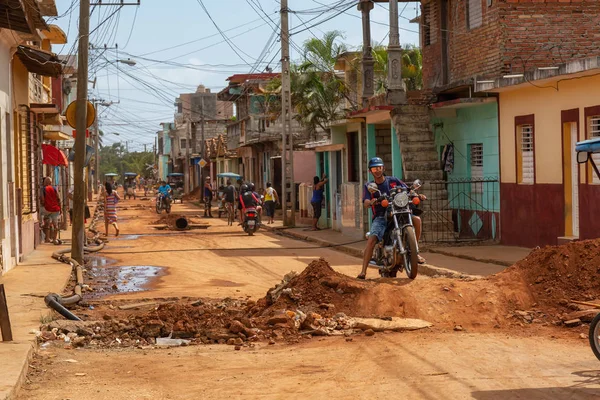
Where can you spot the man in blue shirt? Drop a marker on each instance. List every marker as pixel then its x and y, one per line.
pixel 164 190
pixel 379 224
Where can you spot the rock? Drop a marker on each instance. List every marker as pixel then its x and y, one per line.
pixel 238 347
pixel 573 322
pixel 152 328
pixel 238 342
pixel 237 327
pixel 369 332
pixel 278 319
pixel 106 317
pixel 458 328
pixel 271 341
pixel 83 328
pixel 327 306
pixel 396 324
pixel 231 342
pixel 47 335
pixel 583 336
pixel 79 341
pixel 348 339
pixel 197 303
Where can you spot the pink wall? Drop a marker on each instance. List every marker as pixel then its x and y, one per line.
pixel 305 166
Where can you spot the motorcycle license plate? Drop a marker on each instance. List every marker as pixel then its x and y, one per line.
pixel 251 223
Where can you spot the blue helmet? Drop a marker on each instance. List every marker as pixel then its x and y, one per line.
pixel 375 162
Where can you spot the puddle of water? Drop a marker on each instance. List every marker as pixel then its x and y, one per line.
pixel 98 261
pixel 126 279
pixel 127 237
pixel 224 283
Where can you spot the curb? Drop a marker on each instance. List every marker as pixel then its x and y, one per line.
pixel 470 258
pixel 424 269
pixel 14 391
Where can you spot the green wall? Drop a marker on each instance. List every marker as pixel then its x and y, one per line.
pixel 477 124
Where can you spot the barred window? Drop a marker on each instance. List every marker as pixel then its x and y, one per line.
pixel 525 159
pixel 476 163
pixel 29 162
pixel 474 14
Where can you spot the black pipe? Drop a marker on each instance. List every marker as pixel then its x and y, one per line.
pixel 181 223
pixel 52 302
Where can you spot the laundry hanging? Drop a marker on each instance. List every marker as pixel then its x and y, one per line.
pixel 448 158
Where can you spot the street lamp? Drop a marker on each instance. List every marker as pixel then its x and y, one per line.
pixel 129 62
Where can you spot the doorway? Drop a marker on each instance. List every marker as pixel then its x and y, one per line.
pixel 571 179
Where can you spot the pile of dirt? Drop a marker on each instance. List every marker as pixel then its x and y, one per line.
pixel 193 195
pixel 317 289
pixel 556 275
pixel 169 219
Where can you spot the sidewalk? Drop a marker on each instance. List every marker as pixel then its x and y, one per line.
pixel 448 261
pixel 26 285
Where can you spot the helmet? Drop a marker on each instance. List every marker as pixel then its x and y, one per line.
pixel 244 188
pixel 251 186
pixel 375 162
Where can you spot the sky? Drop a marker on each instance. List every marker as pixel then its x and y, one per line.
pixel 180 44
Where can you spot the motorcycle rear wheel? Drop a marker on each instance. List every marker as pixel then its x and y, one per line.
pixel 412 256
pixel 595 336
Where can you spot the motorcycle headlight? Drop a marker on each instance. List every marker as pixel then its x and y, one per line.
pixel 401 200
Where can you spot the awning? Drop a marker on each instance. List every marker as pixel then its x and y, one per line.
pixel 39 61
pixel 53 156
pixel 56 135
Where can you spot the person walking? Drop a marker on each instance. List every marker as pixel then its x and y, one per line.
pixel 271 198
pixel 111 198
pixel 317 199
pixel 208 196
pixel 51 203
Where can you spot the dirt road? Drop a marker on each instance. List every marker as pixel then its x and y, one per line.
pixel 439 363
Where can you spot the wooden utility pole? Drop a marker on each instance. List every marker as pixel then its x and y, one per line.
pixel 5 328
pixel 186 163
pixel 96 151
pixel 202 146
pixel 77 236
pixel 287 143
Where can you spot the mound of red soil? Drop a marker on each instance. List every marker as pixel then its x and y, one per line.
pixel 318 288
pixel 193 195
pixel 558 274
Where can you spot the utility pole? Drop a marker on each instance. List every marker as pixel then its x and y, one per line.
pixel 186 163
pixel 96 150
pixel 202 145
pixel 365 6
pixel 77 236
pixel 395 93
pixel 287 160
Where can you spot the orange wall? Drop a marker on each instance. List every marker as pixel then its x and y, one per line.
pixel 546 104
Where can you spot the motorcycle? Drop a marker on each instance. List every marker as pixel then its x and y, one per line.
pixel 161 204
pixel 251 221
pixel 399 249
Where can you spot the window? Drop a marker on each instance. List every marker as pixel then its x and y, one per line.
pixel 429 29
pixel 474 16
pixel 476 163
pixel 525 155
pixel 183 143
pixel 594 132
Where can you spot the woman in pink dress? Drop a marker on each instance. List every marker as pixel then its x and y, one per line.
pixel 111 198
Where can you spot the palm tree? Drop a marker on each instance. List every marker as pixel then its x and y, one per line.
pixel 412 64
pixel 323 53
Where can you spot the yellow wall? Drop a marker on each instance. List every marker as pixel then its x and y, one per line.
pixel 546 104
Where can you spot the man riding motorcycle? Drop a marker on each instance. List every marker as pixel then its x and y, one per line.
pixel 379 223
pixel 164 191
pixel 247 199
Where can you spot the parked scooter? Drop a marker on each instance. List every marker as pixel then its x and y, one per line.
pixel 399 249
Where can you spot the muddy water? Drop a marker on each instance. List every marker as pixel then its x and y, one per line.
pixel 122 279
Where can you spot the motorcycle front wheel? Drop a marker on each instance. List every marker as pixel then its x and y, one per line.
pixel 157 207
pixel 595 336
pixel 412 256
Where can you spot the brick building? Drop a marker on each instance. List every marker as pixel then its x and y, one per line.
pixel 490 64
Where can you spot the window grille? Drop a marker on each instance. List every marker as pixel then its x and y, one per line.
pixel 474 14
pixel 526 150
pixel 476 162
